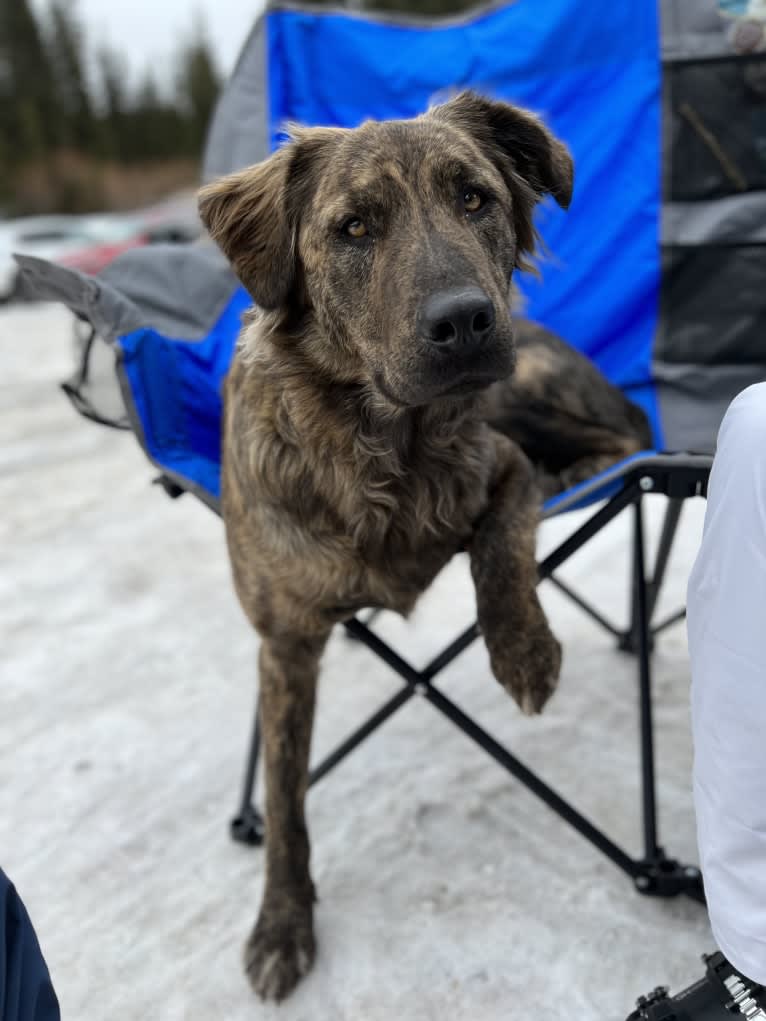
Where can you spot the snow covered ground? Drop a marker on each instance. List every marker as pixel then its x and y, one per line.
pixel 447 891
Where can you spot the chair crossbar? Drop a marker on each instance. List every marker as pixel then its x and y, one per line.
pixel 627 637
pixel 674 618
pixel 355 739
pixel 654 873
pixel 420 682
pixel 585 606
pixel 667 536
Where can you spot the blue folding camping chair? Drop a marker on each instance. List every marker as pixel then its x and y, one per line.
pixel 652 273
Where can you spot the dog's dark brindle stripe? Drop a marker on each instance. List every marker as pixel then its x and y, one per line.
pixel 374 424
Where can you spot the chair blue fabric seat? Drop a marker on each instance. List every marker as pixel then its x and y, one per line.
pixel 175 390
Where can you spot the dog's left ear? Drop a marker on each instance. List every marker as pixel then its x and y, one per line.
pixel 253 214
pixel 532 160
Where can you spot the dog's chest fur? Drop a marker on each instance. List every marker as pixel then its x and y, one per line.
pixel 340 503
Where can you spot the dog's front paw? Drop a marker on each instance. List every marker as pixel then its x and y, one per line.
pixel 528 666
pixel 279 953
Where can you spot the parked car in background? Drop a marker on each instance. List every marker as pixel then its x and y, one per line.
pixel 50 237
pixel 89 243
pixel 105 237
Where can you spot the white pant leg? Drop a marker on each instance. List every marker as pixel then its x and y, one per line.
pixel 727 645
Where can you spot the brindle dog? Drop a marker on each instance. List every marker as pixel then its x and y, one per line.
pixel 368 436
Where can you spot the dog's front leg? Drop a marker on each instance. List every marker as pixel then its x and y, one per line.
pixel 281 948
pixel 524 654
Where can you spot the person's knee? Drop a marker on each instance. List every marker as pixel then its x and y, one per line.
pixel 743 429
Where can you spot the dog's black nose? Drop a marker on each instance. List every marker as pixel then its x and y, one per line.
pixel 457 320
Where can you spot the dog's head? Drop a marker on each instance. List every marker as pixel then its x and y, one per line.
pixel 399 239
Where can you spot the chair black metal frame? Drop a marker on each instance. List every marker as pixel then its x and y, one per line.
pixel 676 476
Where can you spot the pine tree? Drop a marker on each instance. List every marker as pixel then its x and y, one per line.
pixel 7 112
pixel 66 48
pixel 147 138
pixel 29 109
pixel 156 128
pixel 198 84
pixel 112 76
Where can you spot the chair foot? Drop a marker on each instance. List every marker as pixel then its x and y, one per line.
pixel 248 827
pixel 666 877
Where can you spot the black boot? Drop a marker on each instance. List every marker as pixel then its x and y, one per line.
pixel 722 995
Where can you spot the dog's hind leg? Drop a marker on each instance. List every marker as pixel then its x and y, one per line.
pixel 562 411
pixel 281 948
pixel 524 654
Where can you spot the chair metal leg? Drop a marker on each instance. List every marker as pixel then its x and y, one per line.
pixel 247 825
pixel 659 875
pixel 630 639
pixel 644 686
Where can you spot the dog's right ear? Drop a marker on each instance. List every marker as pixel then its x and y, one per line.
pixel 253 216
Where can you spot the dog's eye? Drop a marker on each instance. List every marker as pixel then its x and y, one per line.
pixel 473 200
pixel 355 228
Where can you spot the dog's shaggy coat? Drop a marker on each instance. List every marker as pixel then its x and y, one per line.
pixel 382 414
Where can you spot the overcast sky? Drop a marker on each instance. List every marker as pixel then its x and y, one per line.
pixel 147 31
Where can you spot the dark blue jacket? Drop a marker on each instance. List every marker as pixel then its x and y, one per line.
pixel 26 991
